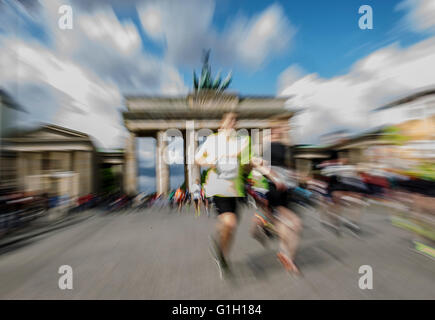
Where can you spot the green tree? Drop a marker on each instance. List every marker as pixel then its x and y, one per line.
pixel 108 180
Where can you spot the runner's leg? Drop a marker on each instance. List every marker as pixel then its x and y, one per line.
pixel 289 227
pixel 227 223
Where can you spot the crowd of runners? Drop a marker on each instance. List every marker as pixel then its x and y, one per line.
pixel 336 193
pixel 185 199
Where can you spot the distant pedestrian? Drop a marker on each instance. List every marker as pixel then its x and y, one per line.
pixel 196 194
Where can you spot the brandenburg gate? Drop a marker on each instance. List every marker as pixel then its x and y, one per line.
pixel 149 116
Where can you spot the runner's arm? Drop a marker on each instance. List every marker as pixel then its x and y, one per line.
pixel 203 157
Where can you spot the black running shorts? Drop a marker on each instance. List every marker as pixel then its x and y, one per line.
pixel 225 204
pixel 277 198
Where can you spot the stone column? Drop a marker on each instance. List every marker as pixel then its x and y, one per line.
pixel 162 167
pixel 82 164
pixel 256 142
pixel 73 185
pixel 186 181
pixel 130 170
pixel 265 145
pixel 191 145
pixel 21 170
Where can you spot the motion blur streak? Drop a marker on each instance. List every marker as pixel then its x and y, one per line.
pixel 86 115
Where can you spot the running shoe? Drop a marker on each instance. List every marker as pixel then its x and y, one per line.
pixel 219 258
pixel 288 265
pixel 261 236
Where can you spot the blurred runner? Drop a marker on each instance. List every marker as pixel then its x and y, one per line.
pixel 171 199
pixel 346 188
pixel 179 198
pixel 288 225
pixel 228 156
pixel 196 194
pixel 205 200
pixel 187 198
pixel 262 223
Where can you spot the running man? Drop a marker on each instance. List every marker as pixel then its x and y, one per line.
pixel 196 195
pixel 228 156
pixel 287 224
pixel 204 200
pixel 345 184
pixel 179 198
pixel 187 199
pixel 257 188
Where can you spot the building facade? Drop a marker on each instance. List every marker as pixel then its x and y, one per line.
pixel 50 159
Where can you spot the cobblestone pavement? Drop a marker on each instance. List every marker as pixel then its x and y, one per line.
pixel 160 254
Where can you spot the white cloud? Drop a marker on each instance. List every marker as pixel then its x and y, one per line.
pixel 81 100
pixel 171 82
pixel 185 29
pixel 81 74
pixel 105 27
pixel 420 14
pixel 38 64
pixel 290 76
pixel 257 39
pixel 152 21
pixel 112 49
pixel 344 102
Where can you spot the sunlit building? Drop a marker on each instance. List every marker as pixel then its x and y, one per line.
pixel 50 159
pixel 410 124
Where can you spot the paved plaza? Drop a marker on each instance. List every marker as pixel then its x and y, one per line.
pixel 160 254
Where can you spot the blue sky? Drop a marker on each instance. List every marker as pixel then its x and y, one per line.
pixel 323 37
pixel 312 50
pixel 326 30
